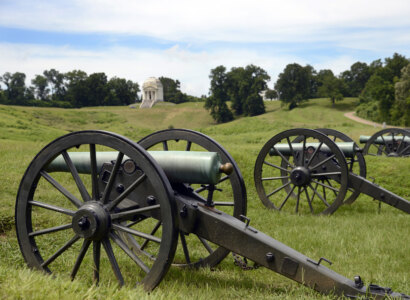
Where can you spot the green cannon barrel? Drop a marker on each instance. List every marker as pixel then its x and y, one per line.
pixel 386 139
pixel 349 149
pixel 179 166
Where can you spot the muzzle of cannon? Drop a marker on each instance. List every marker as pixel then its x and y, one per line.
pixel 129 201
pixel 391 142
pixel 309 171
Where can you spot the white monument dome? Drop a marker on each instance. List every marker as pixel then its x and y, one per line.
pixel 152 92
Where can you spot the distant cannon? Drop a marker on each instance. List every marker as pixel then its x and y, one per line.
pixel 391 142
pixel 306 170
pixel 127 199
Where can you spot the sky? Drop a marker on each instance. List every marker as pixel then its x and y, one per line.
pixel 185 39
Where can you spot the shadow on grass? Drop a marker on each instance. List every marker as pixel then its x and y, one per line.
pixel 245 281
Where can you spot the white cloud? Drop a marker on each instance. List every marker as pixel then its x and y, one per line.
pixel 211 20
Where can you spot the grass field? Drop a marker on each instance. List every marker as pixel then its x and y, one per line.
pixel 359 239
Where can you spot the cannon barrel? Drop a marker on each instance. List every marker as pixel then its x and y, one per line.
pixel 381 140
pixel 179 166
pixel 349 148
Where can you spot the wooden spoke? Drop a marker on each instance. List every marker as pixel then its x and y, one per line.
pixel 51 230
pixel 61 189
pixel 60 251
pixel 109 186
pixel 81 187
pixel 114 264
pixel 53 208
pixel 137 233
pixel 128 251
pixel 80 258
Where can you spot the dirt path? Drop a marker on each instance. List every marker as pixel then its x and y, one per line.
pixel 353 117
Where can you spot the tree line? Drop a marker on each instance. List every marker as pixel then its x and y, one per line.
pixel 383 89
pixel 77 89
pixel 71 89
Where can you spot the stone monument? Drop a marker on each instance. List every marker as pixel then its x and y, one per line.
pixel 152 92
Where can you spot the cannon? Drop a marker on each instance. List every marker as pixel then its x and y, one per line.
pixel 309 171
pixel 391 142
pixel 125 198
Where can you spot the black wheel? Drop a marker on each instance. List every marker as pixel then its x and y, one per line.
pixel 356 163
pixel 229 196
pixel 64 219
pixel 391 142
pixel 307 176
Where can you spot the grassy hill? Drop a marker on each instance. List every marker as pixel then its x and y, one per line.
pixel 358 238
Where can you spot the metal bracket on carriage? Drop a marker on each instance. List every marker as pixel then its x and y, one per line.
pixel 320 260
pixel 245 218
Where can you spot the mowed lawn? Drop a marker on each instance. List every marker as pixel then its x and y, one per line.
pixel 359 239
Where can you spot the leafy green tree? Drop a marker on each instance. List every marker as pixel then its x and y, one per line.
pixel 379 90
pixel 216 102
pixel 77 90
pixel 331 87
pixel 96 88
pixel 172 92
pixel 17 93
pixel 55 80
pixel 40 87
pixel 271 94
pixel 121 92
pixel 254 105
pixel 356 78
pixel 3 99
pixel 293 85
pixel 401 110
pixel 244 82
pixel 311 77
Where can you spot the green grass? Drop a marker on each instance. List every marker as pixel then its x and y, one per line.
pixel 358 239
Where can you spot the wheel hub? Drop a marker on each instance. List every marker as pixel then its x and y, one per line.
pixel 91 221
pixel 300 176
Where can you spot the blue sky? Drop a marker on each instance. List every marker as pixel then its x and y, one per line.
pixel 185 39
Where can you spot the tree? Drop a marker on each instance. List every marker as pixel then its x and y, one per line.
pixel 401 110
pixel 293 85
pixel 271 94
pixel 332 88
pixel 356 78
pixel 121 92
pixel 254 105
pixel 242 84
pixel 379 90
pixel 40 87
pixel 55 80
pixel 76 88
pixel 172 92
pixel 17 92
pixel 97 89
pixel 216 102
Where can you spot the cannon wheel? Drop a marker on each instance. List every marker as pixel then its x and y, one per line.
pixel 60 217
pixel 356 164
pixel 304 171
pixel 400 148
pixel 231 198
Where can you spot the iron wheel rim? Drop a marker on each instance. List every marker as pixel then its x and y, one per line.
pixel 28 190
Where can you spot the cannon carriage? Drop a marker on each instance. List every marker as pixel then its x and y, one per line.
pixel 94 189
pixel 315 171
pixel 390 142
